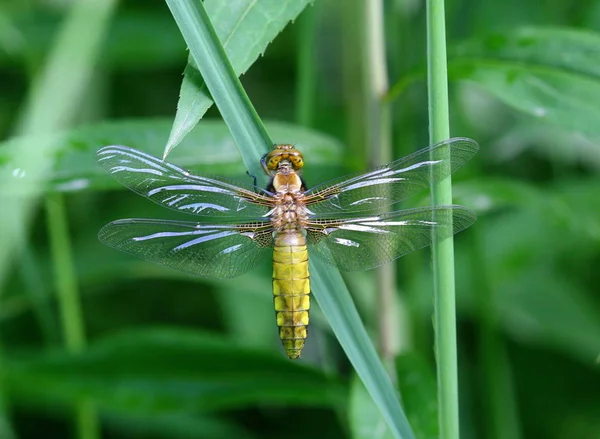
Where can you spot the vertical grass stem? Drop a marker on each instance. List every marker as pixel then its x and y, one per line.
pixel 379 135
pixel 442 252
pixel 307 74
pixel 64 273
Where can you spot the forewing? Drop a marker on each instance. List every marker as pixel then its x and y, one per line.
pixel 387 185
pixel 368 242
pixel 175 188
pixel 218 250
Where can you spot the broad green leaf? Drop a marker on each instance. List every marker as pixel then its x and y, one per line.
pixel 550 74
pixel 178 426
pixel 581 211
pixel 555 96
pixel 548 141
pixel 525 250
pixel 169 371
pixel 496 194
pixel 365 418
pixel 529 303
pixel 572 50
pixel 233 103
pixel 569 205
pixel 236 23
pixel 209 148
pixel 418 389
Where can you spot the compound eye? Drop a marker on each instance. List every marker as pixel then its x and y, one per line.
pixel 298 162
pixel 270 161
pixel 274 161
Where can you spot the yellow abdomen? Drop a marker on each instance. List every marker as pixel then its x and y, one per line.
pixel 291 290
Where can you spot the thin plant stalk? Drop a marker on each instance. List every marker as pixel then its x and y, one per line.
pixel 307 77
pixel 379 135
pixel 69 302
pixel 65 278
pixel 442 252
pixel 233 103
pixel 354 85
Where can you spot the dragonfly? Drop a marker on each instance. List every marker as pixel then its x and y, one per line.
pixel 351 223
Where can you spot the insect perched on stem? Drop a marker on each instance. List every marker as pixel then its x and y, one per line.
pixel 349 223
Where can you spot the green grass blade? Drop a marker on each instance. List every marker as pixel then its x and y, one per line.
pixel 306 83
pixel 235 22
pixel 64 273
pixel 330 290
pixel 220 78
pixel 337 305
pixel 442 252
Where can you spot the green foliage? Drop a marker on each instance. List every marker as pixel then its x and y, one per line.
pixel 345 322
pixel 209 148
pixel 235 23
pixel 417 385
pixel 169 355
pixel 169 371
pixel 364 417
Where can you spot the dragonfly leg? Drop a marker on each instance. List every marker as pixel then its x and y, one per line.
pixel 254 180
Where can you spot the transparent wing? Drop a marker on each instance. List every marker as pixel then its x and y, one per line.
pixel 175 188
pixel 368 242
pixel 361 194
pixel 218 250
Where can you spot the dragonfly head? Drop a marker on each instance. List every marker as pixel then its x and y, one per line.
pixel 282 157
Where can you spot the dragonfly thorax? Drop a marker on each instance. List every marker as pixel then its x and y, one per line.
pixel 285 183
pixel 290 213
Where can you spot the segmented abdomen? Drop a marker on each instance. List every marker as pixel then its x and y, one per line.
pixel 291 290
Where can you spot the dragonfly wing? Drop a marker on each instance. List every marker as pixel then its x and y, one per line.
pixel 368 242
pixel 175 188
pixel 217 250
pixel 387 185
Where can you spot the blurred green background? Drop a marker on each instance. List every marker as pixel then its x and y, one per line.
pixel 174 356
